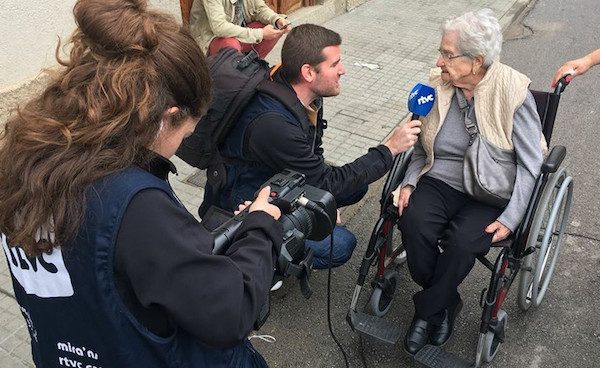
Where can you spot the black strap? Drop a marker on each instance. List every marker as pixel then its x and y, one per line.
pixel 302 272
pixel 471 127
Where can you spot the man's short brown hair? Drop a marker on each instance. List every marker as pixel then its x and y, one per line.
pixel 304 45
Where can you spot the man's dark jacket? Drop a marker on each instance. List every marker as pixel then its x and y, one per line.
pixel 271 137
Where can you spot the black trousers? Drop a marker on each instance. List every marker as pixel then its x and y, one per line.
pixel 437 211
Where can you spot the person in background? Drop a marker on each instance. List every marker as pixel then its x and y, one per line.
pixel 241 24
pixel 577 67
pixel 108 267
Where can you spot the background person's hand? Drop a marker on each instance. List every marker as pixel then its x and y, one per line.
pixel 283 24
pixel 404 137
pixel 261 203
pixel 405 193
pixel 574 67
pixel 270 33
pixel 500 231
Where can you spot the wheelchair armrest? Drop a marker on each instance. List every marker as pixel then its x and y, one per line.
pixel 394 178
pixel 554 159
pixel 396 174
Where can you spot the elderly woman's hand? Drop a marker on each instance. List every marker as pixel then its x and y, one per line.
pixel 500 231
pixel 404 198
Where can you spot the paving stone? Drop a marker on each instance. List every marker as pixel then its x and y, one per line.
pixel 9 361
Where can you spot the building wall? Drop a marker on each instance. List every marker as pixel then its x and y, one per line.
pixel 30 31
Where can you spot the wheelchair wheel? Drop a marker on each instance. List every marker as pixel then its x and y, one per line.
pixel 546 236
pixel 381 298
pixel 491 341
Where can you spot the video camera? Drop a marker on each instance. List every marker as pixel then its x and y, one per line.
pixel 306 213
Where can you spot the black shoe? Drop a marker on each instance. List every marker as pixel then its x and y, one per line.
pixel 417 336
pixel 441 334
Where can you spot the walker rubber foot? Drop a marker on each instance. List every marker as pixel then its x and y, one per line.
pixel 435 357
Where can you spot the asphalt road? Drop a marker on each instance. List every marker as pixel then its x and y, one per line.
pixel 565 330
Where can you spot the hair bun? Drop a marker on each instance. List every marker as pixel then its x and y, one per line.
pixel 117 27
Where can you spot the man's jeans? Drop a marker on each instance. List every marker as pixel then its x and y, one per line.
pixel 344 241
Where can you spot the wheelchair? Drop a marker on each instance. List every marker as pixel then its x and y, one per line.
pixel 530 254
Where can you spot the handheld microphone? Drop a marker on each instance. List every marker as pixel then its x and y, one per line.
pixel 420 100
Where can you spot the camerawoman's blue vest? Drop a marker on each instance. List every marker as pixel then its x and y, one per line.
pixel 73 310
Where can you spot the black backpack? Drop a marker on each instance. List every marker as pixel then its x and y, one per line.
pixel 236 78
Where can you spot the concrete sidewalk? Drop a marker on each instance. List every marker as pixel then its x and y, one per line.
pixel 388 46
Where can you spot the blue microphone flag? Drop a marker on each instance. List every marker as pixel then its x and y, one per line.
pixel 420 100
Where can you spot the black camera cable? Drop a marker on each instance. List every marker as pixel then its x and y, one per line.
pixel 314 207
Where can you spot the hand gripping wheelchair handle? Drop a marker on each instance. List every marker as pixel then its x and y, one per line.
pixel 562 84
pixel 554 159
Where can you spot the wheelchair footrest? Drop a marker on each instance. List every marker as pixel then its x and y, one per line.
pixel 435 357
pixel 374 327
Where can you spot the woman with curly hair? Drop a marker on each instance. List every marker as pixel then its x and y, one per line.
pixel 108 267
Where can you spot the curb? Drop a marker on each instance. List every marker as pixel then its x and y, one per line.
pixel 516 13
pixel 316 14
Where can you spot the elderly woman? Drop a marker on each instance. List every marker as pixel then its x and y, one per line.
pixel 470 84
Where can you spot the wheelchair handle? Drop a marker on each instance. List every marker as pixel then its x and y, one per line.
pixel 562 84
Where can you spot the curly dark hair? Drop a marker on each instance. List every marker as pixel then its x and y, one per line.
pixel 99 113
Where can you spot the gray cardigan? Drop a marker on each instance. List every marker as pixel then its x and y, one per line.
pixel 452 141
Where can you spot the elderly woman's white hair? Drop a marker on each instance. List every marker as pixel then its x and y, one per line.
pixel 479 33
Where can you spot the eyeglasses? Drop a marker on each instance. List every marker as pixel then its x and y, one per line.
pixel 448 56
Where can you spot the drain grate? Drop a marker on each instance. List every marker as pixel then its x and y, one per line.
pixel 197 179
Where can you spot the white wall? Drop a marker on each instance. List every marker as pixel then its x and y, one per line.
pixel 29 32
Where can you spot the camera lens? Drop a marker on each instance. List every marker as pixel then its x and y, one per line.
pixel 303 220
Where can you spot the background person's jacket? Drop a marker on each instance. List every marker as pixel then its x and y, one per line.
pixel 213 18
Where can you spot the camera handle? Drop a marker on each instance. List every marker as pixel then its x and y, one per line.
pixel 302 272
pixel 224 234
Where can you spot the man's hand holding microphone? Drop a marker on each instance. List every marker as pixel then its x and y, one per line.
pixel 404 137
pixel 420 103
